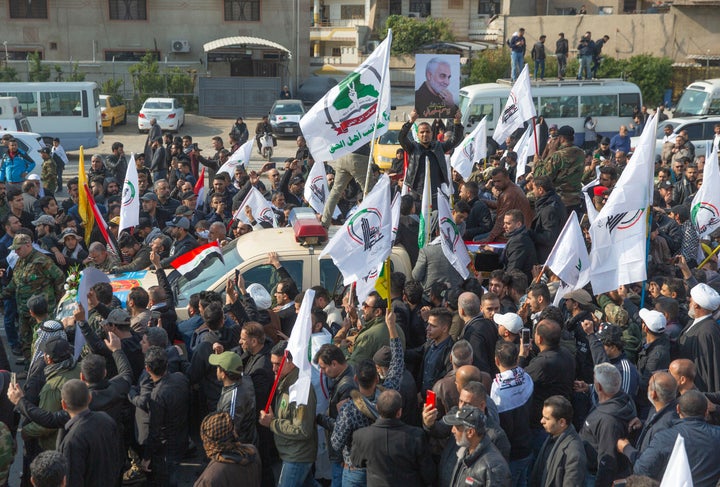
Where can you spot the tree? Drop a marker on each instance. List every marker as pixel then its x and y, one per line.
pixel 37 71
pixel 8 74
pixel 410 33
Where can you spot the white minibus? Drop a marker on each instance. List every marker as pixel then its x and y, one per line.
pixel 700 98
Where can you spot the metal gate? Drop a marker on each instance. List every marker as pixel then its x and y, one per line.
pixel 237 96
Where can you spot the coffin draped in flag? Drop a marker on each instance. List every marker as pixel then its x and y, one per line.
pixel 298 344
pixel 316 189
pixel 471 150
pixel 518 109
pixel 344 119
pixel 365 240
pixel 191 264
pixel 569 259
pixel 130 209
pixel 240 157
pixel 452 243
pixel 620 230
pixel 705 208
pixel 260 207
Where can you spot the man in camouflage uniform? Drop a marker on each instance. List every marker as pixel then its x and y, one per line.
pixel 48 172
pixel 565 169
pixel 34 273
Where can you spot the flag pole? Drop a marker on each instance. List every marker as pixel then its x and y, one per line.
pixel 386 66
pixel 707 259
pixel 537 148
pixel 647 252
pixel 275 384
pixel 387 282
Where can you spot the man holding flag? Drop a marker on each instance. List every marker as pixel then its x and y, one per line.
pixel 428 150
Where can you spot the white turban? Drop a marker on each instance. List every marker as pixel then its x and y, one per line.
pixel 705 296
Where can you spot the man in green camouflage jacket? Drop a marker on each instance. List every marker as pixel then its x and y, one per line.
pixel 565 168
pixel 34 273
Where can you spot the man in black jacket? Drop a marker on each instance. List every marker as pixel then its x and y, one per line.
pixel 519 252
pixel 89 442
pixel 479 221
pixel 479 331
pixel 430 151
pixel 550 216
pixel 393 452
pixel 179 229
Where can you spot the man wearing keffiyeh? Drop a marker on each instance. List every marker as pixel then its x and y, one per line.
pixel 230 460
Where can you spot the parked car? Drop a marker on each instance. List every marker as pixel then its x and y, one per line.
pixel 387 145
pixel 169 113
pixel 285 117
pixel 701 131
pixel 113 111
pixel 30 143
pixel 313 89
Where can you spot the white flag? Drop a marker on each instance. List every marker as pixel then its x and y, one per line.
pixel 366 285
pixel 472 149
pixel 298 344
pixel 619 233
pixel 678 472
pixel 130 209
pixel 316 189
pixel 705 208
pixel 452 243
pixel 240 157
pixel 260 207
pixel 592 213
pixel 426 208
pixel 365 240
pixel 395 213
pixel 569 258
pixel 518 109
pixel 344 119
pixel 524 148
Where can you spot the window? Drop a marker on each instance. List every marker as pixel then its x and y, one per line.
pixel 480 110
pixel 629 103
pixel 336 52
pixel 61 104
pixel 330 278
pixel 349 12
pixel 559 106
pixel 21 55
pixel 28 102
pixel 242 10
pixel 128 10
pixel 268 277
pixel 421 8
pixel 129 55
pixel 395 7
pixel 28 9
pixel 714 108
pixel 694 130
pixel 598 106
pixel 488 7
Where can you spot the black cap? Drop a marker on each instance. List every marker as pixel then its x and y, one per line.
pixel 605 141
pixel 57 348
pixel 296 180
pixel 45 150
pixel 567 131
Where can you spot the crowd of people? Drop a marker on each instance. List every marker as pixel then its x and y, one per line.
pixel 446 381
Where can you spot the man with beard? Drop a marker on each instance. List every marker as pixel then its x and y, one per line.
pixel 700 340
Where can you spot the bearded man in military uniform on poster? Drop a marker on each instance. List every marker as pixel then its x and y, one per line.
pixel 437 85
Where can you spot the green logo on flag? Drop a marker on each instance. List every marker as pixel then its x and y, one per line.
pixel 352 90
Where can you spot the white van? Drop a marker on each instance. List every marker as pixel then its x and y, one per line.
pixel 610 102
pixel 28 142
pixel 11 115
pixel 700 98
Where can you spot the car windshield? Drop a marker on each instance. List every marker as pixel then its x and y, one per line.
pixel 288 109
pixel 209 274
pixel 158 105
pixel 391 137
pixel 661 128
pixel 691 103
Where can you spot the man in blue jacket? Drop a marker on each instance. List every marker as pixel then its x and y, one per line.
pixel 15 165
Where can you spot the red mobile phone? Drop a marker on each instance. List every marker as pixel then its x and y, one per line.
pixel 430 399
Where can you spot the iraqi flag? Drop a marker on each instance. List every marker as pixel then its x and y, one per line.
pixel 190 264
pixel 344 119
pixel 518 109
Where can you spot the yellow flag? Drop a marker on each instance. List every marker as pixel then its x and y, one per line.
pixel 83 204
pixel 382 285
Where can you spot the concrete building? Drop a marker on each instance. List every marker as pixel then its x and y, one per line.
pixel 220 39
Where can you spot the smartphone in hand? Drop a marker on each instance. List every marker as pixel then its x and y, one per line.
pixel 525 336
pixel 430 399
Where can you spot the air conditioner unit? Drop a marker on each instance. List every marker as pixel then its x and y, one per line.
pixel 181 46
pixel 414 15
pixel 371 46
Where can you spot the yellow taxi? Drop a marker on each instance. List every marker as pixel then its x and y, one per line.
pixel 387 145
pixel 113 111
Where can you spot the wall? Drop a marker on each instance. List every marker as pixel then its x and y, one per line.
pixel 83 31
pixel 692 30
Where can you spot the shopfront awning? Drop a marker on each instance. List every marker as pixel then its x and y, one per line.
pixel 243 41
